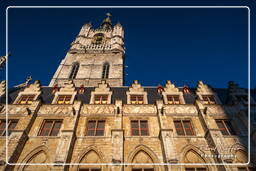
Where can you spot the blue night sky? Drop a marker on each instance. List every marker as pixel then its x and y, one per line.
pixel 181 45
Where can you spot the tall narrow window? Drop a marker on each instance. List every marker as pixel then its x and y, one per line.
pixel 50 128
pixel 74 70
pixel 105 71
pixel 11 125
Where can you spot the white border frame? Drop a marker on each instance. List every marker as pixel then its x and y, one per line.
pixel 123 164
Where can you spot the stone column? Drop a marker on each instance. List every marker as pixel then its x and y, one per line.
pixel 117 149
pixel 166 136
pixel 213 136
pixel 67 140
pixel 117 134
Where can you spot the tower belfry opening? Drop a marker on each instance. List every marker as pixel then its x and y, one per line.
pixel 94 55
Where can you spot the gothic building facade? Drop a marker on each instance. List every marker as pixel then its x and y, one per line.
pixel 87 120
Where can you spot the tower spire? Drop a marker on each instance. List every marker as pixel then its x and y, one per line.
pixel 106 23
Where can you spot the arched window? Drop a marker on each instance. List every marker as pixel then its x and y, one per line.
pixel 74 70
pixel 105 71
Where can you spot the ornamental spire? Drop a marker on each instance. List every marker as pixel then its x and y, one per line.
pixel 106 23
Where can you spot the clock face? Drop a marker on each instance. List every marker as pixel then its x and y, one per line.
pixel 98 38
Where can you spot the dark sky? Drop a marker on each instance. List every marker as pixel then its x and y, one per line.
pixel 181 45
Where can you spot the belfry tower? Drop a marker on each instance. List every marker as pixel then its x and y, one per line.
pixel 95 55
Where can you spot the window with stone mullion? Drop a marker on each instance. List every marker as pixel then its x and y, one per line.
pixel 173 99
pixel 95 128
pixel 225 127
pixel 50 128
pixel 136 99
pixel 11 125
pixel 184 127
pixel 139 127
pixel 26 99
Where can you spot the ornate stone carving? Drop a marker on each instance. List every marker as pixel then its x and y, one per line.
pixel 170 88
pixel 215 109
pixel 98 109
pixel 68 87
pixel 56 109
pixel 143 109
pixel 182 109
pixel 15 109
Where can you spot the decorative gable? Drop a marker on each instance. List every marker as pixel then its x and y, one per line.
pixel 172 95
pixel 68 87
pixel 206 94
pixel 66 94
pixel 136 87
pixel 170 88
pixel 203 88
pixel 101 94
pixel 35 87
pixel 102 87
pixel 32 90
pixel 136 94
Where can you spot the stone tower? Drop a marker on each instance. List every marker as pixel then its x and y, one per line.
pixel 95 55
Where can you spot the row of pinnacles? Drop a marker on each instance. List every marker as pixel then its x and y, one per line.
pixel 113 40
